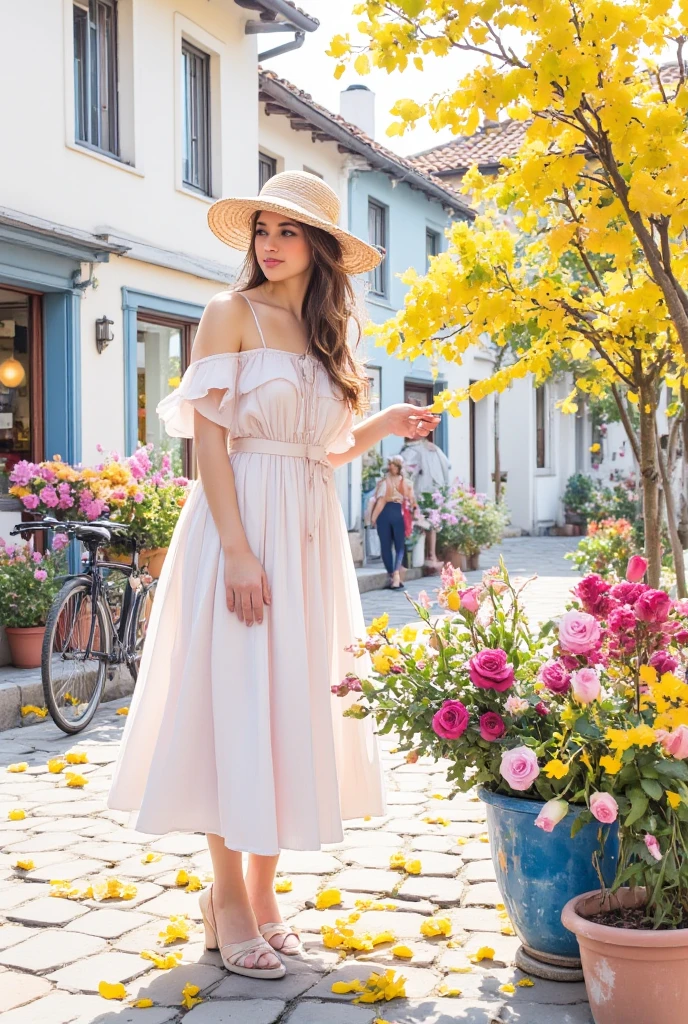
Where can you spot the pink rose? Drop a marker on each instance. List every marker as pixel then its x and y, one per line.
pixel 637 567
pixel 621 619
pixel 604 807
pixel 470 599
pixel 627 593
pixel 593 593
pixel 663 662
pixel 519 767
pixel 586 685
pixel 40 575
pixel 653 606
pixel 451 721
pixel 492 726
pixel 551 814
pixel 674 743
pixel 542 709
pixel 490 670
pixel 516 705
pixel 579 632
pixel 653 846
pixel 30 501
pixel 555 677
pixel 424 599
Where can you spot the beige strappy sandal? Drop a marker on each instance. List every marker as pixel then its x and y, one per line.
pixel 273 928
pixel 233 953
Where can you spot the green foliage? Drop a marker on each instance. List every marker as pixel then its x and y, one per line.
pixel 606 549
pixel 28 584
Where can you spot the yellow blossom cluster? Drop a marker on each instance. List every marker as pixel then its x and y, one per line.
pixel 176 930
pixel 377 987
pixel 343 936
pixel 110 888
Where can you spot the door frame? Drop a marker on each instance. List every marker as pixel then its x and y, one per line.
pixel 36 383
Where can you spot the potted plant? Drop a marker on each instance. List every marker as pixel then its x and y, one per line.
pixel 441 509
pixel 522 714
pixel 577 498
pixel 606 549
pixel 28 586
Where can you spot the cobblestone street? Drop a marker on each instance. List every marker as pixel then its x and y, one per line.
pixel 54 951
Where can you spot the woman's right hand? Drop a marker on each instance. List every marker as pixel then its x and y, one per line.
pixel 246 586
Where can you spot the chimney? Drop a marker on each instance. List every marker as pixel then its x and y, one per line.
pixel 357 105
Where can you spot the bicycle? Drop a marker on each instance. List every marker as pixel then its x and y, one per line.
pixel 84 640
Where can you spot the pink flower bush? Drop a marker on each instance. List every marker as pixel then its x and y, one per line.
pixel 451 721
pixel 593 594
pixel 519 768
pixel 555 677
pixel 585 684
pixel 579 632
pixel 492 726
pixel 674 743
pixel 551 814
pixel 604 807
pixel 490 670
pixel 637 567
pixel 653 607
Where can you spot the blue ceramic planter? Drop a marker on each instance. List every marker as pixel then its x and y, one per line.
pixel 538 872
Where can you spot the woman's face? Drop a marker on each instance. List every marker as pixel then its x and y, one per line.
pixel 281 248
pixel 394 468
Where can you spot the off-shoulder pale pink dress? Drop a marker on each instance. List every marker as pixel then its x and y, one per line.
pixel 233 729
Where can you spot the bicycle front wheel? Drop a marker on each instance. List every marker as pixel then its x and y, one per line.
pixel 138 628
pixel 75 655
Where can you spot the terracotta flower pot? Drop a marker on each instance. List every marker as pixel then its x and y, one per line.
pixel 473 560
pixel 632 975
pixel 26 644
pixel 151 559
pixel 456 557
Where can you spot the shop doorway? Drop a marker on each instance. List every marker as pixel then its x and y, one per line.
pixel 163 352
pixel 21 380
pixel 419 394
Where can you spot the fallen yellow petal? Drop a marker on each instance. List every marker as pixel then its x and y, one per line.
pixel 438 796
pixel 507 989
pixel 25 865
pixel 189 993
pixel 151 858
pixel 342 988
pixel 403 952
pixel 447 990
pixel 484 953
pixel 142 1004
pixel 525 983
pixel 75 780
pixel 397 860
pixel 367 817
pixel 31 709
pixel 413 867
pixel 194 884
pixel 56 765
pixel 283 885
pixel 112 991
pixel 435 926
pixel 327 898
pixel 164 961
pixel 76 756
pixel 20 766
pixel 122 711
pixel 16 814
pixel 507 930
pixel 182 878
pixel 484 839
pixel 176 928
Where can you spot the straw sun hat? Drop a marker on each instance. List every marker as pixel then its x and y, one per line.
pixel 301 196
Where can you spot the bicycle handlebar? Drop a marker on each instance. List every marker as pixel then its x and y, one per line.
pixel 67 526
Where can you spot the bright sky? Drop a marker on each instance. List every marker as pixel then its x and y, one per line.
pixel 312 70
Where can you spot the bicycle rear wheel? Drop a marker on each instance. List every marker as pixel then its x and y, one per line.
pixel 138 628
pixel 73 681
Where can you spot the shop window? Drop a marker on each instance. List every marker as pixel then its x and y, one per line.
pixel 196 113
pixel 163 352
pixel 377 235
pixel 20 381
pixel 95 74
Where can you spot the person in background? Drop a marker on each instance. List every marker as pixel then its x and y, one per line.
pixel 387 516
pixel 429 469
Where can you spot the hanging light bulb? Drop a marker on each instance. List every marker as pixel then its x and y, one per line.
pixel 11 373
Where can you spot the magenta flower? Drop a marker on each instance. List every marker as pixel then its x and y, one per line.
pixel 652 844
pixel 593 593
pixel 637 567
pixel 30 501
pixel 663 662
pixel 451 721
pixel 490 670
pixel 49 496
pixel 653 607
pixel 555 677
pixel 492 726
pixel 37 556
pixel 40 575
pixel 60 540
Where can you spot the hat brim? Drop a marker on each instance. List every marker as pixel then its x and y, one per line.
pixel 230 220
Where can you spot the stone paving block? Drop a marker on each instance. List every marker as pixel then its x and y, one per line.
pixel 479 871
pixel 436 1010
pixel 14 895
pixel 50 949
pixel 165 987
pixel 43 843
pixel 457 812
pixel 477 919
pixel 438 844
pixel 96 828
pixel 109 924
pixel 17 989
pixel 424 954
pixel 414 906
pixel 173 901
pixel 68 870
pixel 403 798
pixel 367 880
pixel 419 981
pixel 11 934
pixel 63 825
pixel 369 825
pixel 476 851
pixel 552 993
pixel 133 868
pixel 404 926
pixel 443 891
pixel 300 977
pixel 59 1008
pixel 240 1011
pixel 331 1013
pixel 504 947
pixel 65 809
pixel 483 894
pixel 180 844
pixel 145 891
pixel 308 862
pixel 125 835
pixel 145 936
pixel 85 975
pixel 130 1015
pixel 531 1013
pixel 411 827
pixel 413 783
pixel 464 829
pixel 356 839
pixel 111 853
pixel 47 911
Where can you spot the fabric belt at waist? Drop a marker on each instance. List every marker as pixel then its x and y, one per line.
pixel 314 454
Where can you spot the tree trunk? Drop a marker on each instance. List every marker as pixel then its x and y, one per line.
pixel 676 546
pixel 497 454
pixel 649 474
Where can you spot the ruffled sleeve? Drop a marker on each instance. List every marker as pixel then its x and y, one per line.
pixel 208 385
pixel 344 438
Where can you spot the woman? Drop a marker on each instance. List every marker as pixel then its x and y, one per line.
pixel 233 730
pixel 387 516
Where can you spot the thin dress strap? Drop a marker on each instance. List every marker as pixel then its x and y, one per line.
pixel 255 317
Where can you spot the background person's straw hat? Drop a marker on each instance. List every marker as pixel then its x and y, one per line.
pixel 299 195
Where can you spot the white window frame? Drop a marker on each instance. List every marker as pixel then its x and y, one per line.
pixel 543 389
pixel 200 39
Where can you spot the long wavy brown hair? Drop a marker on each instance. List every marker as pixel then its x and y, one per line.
pixel 329 307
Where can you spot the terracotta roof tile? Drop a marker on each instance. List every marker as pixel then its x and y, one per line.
pixel 403 163
pixel 486 148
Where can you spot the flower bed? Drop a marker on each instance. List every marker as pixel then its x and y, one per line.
pixel 28 582
pixel 463 518
pixel 606 549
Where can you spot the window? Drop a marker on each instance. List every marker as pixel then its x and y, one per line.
pixel 377 235
pixel 541 428
pixel 432 245
pixel 311 171
pixel 163 352
pixel 267 168
pixel 196 114
pixel 95 74
pixel 418 393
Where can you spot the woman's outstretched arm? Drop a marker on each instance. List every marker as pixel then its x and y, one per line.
pixel 403 420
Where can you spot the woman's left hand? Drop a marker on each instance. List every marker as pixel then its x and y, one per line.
pixel 405 420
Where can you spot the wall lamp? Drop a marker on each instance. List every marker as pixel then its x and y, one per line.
pixel 103 333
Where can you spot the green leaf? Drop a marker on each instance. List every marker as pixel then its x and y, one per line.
pixel 653 789
pixel 580 822
pixel 639 804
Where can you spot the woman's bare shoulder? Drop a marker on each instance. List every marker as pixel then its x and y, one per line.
pixel 222 326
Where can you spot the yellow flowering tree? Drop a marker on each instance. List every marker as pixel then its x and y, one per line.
pixel 595 275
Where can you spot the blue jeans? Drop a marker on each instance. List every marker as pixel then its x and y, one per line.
pixel 390 530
